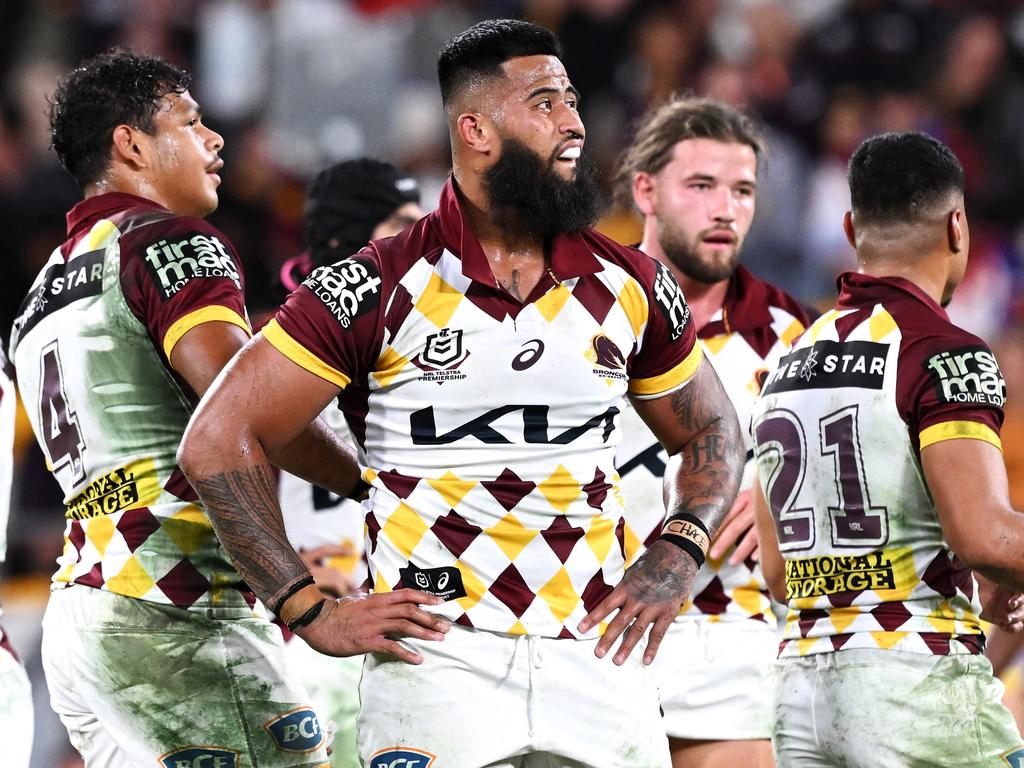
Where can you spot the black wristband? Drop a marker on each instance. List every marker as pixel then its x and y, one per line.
pixel 360 492
pixel 687 546
pixel 302 583
pixel 308 616
pixel 691 519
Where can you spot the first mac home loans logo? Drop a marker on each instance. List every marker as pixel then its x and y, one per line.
pixel 967 375
pixel 174 263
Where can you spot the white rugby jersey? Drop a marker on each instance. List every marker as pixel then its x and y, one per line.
pixel 743 340
pixel 487 427
pixel 838 433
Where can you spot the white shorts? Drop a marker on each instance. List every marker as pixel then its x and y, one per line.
pixel 509 701
pixel 333 686
pixel 866 708
pixel 716 679
pixel 16 724
pixel 138 683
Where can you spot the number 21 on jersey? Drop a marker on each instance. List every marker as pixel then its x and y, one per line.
pixel 783 449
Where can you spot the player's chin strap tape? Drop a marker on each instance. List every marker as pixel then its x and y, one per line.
pixel 300 584
pixel 308 616
pixel 689 534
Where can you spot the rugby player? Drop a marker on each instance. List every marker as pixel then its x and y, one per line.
pixel 877 442
pixel 155 651
pixel 692 172
pixel 347 205
pixel 481 357
pixel 16 720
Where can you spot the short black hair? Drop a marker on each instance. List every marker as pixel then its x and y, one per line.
pixel 114 88
pixel 901 177
pixel 479 51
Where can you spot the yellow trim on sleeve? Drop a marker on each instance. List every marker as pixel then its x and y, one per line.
pixel 955 430
pixel 301 356
pixel 657 385
pixel 212 313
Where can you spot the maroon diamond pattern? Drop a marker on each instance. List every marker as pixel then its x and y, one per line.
pixel 620 534
pixel 838 641
pixel 891 616
pixel 512 591
pixel 464 621
pixel 372 529
pixel 940 574
pixel 562 537
pixel 596 591
pixel 595 298
pixel 597 490
pixel 179 486
pixel 843 599
pixel 93 578
pixel 137 525
pixel 508 489
pixel 455 532
pixel 809 618
pixel 713 599
pixel 400 485
pixel 77 537
pixel 938 642
pixel 183 584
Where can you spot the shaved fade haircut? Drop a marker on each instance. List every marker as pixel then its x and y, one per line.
pixel 678 119
pixel 902 178
pixel 478 53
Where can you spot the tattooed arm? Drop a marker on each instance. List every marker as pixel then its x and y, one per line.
pixel 257 408
pixel 698 427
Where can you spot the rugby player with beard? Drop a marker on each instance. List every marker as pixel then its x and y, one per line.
pixel 692 173
pixel 481 358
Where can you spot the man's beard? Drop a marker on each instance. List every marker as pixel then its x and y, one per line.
pixel 684 253
pixel 527 195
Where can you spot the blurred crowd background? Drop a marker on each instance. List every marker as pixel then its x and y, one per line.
pixel 294 85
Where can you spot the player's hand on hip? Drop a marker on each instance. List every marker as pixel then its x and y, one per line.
pixel 649 596
pixel 1001 605
pixel 363 623
pixel 737 529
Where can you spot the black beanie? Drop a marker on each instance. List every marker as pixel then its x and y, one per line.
pixel 347 201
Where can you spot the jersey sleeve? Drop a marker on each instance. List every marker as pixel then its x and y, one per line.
pixel 178 273
pixel 329 324
pixel 669 354
pixel 952 388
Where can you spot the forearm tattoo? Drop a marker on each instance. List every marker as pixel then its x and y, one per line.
pixel 243 507
pixel 709 466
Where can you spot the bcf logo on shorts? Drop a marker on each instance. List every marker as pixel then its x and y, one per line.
pixel 296 731
pixel 401 757
pixel 200 757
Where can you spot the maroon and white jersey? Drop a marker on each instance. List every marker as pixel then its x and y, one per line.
pixel 487 427
pixel 743 340
pixel 92 344
pixel 7 414
pixel 838 433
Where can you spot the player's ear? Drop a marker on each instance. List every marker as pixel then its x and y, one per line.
pixel 955 230
pixel 851 234
pixel 126 148
pixel 476 132
pixel 645 190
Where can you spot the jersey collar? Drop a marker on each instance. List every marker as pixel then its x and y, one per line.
pixel 745 307
pixel 92 209
pixel 570 255
pixel 858 290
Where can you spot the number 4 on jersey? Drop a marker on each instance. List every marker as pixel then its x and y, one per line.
pixel 57 423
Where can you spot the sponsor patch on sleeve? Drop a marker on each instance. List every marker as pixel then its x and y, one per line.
pixel 402 757
pixel 967 374
pixel 668 297
pixel 177 260
pixel 200 757
pixel 348 288
pixel 296 731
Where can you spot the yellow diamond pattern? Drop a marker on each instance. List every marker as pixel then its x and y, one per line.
pixel 749 598
pixel 404 528
pixel 822 322
pixel 881 325
pixel 795 329
pixel 631 299
pixel 600 536
pixel 805 644
pixel 888 640
pixel 551 303
pixel 474 588
pixel 451 488
pixel 904 574
pixel 633 542
pixel 369 475
pixel 388 365
pixel 714 346
pixel 843 617
pixel 559 595
pixel 943 619
pixel 100 233
pixel 70 555
pixel 132 581
pixel 561 489
pixel 510 535
pixel 438 301
pixel 189 529
pixel 100 531
pixel 517 629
